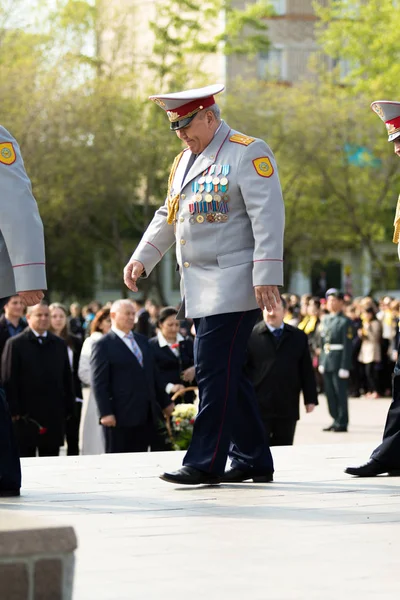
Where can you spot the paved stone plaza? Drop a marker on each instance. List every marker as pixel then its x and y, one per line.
pixel 314 533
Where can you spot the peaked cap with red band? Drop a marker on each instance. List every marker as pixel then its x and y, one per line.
pixel 389 112
pixel 182 107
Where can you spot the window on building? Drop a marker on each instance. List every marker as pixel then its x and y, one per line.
pixel 343 66
pixel 271 64
pixel 279 6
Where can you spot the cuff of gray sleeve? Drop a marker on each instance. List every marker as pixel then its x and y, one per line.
pixel 149 255
pixel 30 277
pixel 268 272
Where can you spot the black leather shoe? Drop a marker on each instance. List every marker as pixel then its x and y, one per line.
pixel 238 476
pixel 330 428
pixel 9 493
pixel 341 428
pixel 191 476
pixel 371 469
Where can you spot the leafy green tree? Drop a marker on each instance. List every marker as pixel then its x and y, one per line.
pixel 333 202
pixel 365 36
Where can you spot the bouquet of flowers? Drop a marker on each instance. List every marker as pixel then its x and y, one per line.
pixel 182 421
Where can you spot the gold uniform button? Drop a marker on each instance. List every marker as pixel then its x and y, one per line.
pixel 183 242
pixel 181 219
pixel 183 196
pixel 186 264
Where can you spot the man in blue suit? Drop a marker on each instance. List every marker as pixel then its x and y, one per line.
pixel 126 386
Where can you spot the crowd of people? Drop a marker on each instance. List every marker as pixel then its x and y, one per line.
pixel 375 337
pixel 59 391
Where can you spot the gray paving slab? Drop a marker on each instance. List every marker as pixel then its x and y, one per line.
pixel 314 533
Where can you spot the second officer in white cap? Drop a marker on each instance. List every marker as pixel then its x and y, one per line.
pixel 224 210
pixel 386 457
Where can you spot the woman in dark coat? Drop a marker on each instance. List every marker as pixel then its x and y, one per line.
pixel 173 355
pixel 59 326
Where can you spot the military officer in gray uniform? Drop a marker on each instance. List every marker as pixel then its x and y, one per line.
pixel 224 210
pixel 386 457
pixel 335 359
pixel 22 272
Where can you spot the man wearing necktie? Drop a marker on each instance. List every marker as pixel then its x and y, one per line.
pixel 386 457
pixel 280 367
pixel 37 378
pixel 126 387
pixel 224 210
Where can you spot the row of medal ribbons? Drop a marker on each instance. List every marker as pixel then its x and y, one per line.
pixel 212 206
pixel 212 180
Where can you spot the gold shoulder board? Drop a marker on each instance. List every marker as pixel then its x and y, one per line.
pixel 239 138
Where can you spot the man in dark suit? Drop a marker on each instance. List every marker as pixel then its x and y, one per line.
pixel 125 385
pixel 280 367
pixel 143 324
pixel 38 383
pixel 11 323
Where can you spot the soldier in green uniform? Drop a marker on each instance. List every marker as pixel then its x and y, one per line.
pixel 335 359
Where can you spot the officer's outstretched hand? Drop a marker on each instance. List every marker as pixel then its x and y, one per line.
pixel 132 272
pixel 32 297
pixel 267 296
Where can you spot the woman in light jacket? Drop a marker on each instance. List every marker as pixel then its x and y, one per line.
pixel 91 433
pixel 370 351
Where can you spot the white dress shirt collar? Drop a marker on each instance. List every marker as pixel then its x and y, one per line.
pixel 272 329
pixel 162 342
pixel 121 334
pixel 44 334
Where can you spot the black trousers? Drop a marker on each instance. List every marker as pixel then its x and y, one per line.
pixel 128 439
pixel 229 420
pixel 43 449
pixel 10 467
pixel 72 430
pixel 388 453
pixel 371 377
pixel 280 432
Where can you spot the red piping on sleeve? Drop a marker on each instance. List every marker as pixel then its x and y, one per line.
pixel 28 265
pixel 153 246
pixel 269 260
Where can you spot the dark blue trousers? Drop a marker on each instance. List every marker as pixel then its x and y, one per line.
pixel 388 453
pixel 228 421
pixel 10 467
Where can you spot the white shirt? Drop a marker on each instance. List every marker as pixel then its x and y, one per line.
pixel 44 334
pixel 162 342
pixel 122 335
pixel 272 329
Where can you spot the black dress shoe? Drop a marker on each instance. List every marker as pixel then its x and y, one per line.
pixel 330 428
pixel 371 469
pixel 9 493
pixel 191 476
pixel 238 476
pixel 341 428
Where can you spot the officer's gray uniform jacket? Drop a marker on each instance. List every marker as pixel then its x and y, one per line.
pixel 336 343
pixel 222 257
pixel 22 257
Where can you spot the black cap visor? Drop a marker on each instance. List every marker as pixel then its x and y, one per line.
pixel 182 123
pixel 394 136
